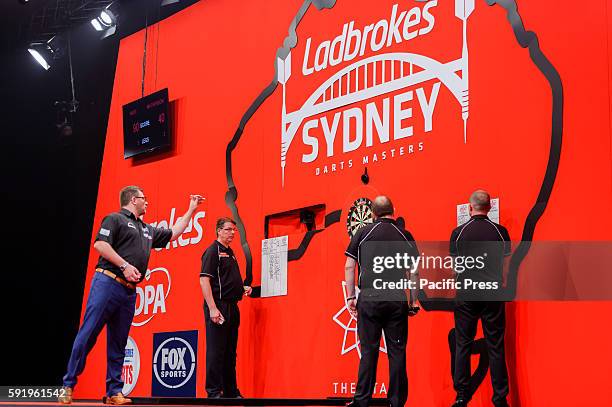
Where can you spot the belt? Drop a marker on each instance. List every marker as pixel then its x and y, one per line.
pixel 121 281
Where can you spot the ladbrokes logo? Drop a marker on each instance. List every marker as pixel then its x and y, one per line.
pixel 193 232
pixel 385 97
pixel 151 295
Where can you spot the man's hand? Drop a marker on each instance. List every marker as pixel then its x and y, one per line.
pixel 194 201
pixel 413 309
pixel 247 290
pixel 352 307
pixel 181 223
pixel 131 273
pixel 216 317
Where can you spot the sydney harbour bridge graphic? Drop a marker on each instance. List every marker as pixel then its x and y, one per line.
pixel 329 95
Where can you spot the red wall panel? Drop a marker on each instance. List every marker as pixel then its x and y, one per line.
pixel 217 57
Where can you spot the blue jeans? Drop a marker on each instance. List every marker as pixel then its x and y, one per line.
pixel 109 304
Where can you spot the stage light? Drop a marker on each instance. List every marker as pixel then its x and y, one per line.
pixel 111 30
pixel 37 51
pixel 107 17
pixel 45 52
pixel 96 24
pixel 23 1
pixel 107 20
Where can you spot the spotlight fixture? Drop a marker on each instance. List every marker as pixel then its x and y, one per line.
pixel 23 1
pixel 107 20
pixel 45 52
pixel 40 53
pixel 107 17
pixel 96 24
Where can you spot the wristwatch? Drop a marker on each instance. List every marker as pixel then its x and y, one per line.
pixel 124 266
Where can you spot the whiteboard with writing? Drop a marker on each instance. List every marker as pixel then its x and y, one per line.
pixel 463 212
pixel 274 266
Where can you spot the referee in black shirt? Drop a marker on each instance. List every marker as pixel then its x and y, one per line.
pixel 222 287
pixel 380 309
pixel 472 239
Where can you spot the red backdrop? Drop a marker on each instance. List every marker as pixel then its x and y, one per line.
pixel 217 57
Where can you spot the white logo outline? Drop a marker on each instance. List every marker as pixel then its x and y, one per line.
pixel 128 388
pixel 147 278
pixel 350 328
pixel 446 72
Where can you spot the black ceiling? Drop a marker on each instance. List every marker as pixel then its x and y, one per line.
pixel 39 20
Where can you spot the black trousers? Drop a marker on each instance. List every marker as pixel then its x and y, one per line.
pixel 373 317
pixel 221 344
pixel 493 316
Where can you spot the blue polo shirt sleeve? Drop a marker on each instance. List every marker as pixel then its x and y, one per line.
pixel 108 229
pixel 210 263
pixel 161 237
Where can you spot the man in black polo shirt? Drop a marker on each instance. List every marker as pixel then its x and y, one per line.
pixel 124 242
pixel 378 310
pixel 222 287
pixel 475 238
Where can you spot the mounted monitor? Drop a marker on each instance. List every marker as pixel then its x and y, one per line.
pixel 145 124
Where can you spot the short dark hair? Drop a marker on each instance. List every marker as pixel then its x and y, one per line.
pixel 223 221
pixel 127 193
pixel 382 206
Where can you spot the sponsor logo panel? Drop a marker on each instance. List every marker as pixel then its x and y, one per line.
pixel 131 366
pixel 174 364
pixel 152 295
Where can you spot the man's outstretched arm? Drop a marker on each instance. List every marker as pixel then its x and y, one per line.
pixel 181 224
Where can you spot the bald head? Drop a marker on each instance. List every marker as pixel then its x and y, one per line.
pixel 480 201
pixel 382 206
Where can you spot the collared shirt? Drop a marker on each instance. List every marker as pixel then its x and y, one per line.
pixel 221 267
pixel 381 230
pixel 476 237
pixel 132 239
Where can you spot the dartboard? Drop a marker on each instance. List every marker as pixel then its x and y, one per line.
pixel 359 215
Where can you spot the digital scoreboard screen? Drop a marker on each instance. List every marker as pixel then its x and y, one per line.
pixel 145 124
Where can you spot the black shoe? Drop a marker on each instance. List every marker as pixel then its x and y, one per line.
pixel 233 395
pixel 214 396
pixel 460 403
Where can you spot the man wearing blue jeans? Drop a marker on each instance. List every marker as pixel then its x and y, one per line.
pixel 124 242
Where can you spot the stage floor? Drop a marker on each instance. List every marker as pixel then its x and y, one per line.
pixel 161 401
